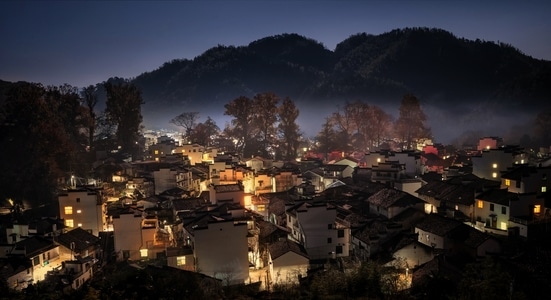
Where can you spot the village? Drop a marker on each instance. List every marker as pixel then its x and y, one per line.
pixel 259 221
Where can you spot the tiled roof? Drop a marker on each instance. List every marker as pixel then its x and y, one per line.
pixel 81 238
pixel 279 248
pixel 498 196
pixel 438 225
pixel 35 245
pixel 388 197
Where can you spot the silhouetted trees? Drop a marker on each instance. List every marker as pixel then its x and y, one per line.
pixel 187 120
pixel 288 129
pixel 410 125
pixel 123 110
pixel 41 140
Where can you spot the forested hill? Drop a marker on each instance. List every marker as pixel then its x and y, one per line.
pixel 436 66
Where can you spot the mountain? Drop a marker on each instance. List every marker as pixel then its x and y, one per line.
pixel 445 72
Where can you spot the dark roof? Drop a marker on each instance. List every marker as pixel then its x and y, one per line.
pixel 35 245
pixel 279 248
pixel 438 224
pixel 81 238
pixel 389 197
pixel 187 204
pixel 498 196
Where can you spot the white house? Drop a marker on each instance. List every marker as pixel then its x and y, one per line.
pixel 85 208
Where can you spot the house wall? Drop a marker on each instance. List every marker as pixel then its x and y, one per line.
pixel 483 165
pixel 21 280
pixel 87 210
pixel 128 236
pixel 194 152
pixel 488 247
pixel 320 234
pixel 483 214
pixel 165 179
pixel 187 262
pixel 414 255
pixel 221 251
pixel 287 268
pixel 409 186
pixel 430 239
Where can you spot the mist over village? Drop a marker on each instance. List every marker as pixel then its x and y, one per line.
pixel 407 165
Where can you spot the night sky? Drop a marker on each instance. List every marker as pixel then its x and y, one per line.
pixel 86 42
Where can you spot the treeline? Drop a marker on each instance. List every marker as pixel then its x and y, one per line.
pixel 50 133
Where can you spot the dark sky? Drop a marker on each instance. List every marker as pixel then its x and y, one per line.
pixel 86 42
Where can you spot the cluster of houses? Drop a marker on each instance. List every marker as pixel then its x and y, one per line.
pixel 248 220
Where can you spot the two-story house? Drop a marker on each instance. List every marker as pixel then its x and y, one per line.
pixel 314 226
pixel 83 207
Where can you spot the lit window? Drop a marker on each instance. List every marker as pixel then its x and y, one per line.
pixel 488 147
pixel 69 223
pixel 494 166
pixel 494 175
pixel 79 224
pixel 522 161
pixel 457 207
pixel 543 189
pixel 480 204
pixel 507 182
pixel 156 159
pixel 537 209
pixel 378 160
pixel 79 211
pixel 143 252
pixel 68 210
pixel 180 260
pixel 156 151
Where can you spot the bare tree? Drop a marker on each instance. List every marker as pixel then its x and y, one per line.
pixel 187 120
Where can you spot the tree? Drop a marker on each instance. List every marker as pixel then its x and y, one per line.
pixel 542 128
pixel 288 129
pixel 123 110
pixel 381 125
pixel 410 125
pixel 242 110
pixel 325 140
pixel 40 131
pixel 188 121
pixel 90 100
pixel 205 133
pixel 264 119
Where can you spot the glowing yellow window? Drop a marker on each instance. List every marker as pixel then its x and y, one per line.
pixel 69 223
pixel 156 151
pixel 494 175
pixel 378 160
pixel 507 182
pixel 79 224
pixel 480 204
pixel 180 260
pixel 494 166
pixel 543 189
pixel 537 209
pixel 68 210
pixel 79 211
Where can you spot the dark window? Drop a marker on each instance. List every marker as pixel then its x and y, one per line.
pixel 329 240
pixel 491 207
pixel 329 226
pixel 504 210
pixel 338 249
pixel 517 184
pixel 78 200
pixel 340 233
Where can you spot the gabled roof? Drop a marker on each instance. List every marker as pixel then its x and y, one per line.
pixel 35 245
pixel 81 238
pixel 498 196
pixel 187 203
pixel 280 248
pixel 438 224
pixel 226 188
pixel 389 197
